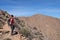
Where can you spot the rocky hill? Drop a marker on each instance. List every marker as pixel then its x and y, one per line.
pixel 36 27
pixel 49 26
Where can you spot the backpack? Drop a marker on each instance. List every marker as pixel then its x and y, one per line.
pixel 11 21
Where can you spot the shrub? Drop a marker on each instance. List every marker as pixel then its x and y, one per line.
pixel 35 28
pixel 22 23
pixel 25 32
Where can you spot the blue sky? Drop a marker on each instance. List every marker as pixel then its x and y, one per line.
pixel 31 7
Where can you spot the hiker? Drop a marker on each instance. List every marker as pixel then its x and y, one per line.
pixel 11 23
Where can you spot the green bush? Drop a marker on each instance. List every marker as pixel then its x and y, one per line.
pixel 25 32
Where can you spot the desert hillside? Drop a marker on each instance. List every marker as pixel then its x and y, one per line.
pixel 36 27
pixel 49 26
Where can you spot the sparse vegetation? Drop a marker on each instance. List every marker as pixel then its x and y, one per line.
pixel 34 28
pixel 22 23
pixel 28 32
pixel 25 32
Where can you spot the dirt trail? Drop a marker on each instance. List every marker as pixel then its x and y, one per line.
pixel 5 33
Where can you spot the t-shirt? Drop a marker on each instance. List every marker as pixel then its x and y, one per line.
pixel 11 20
